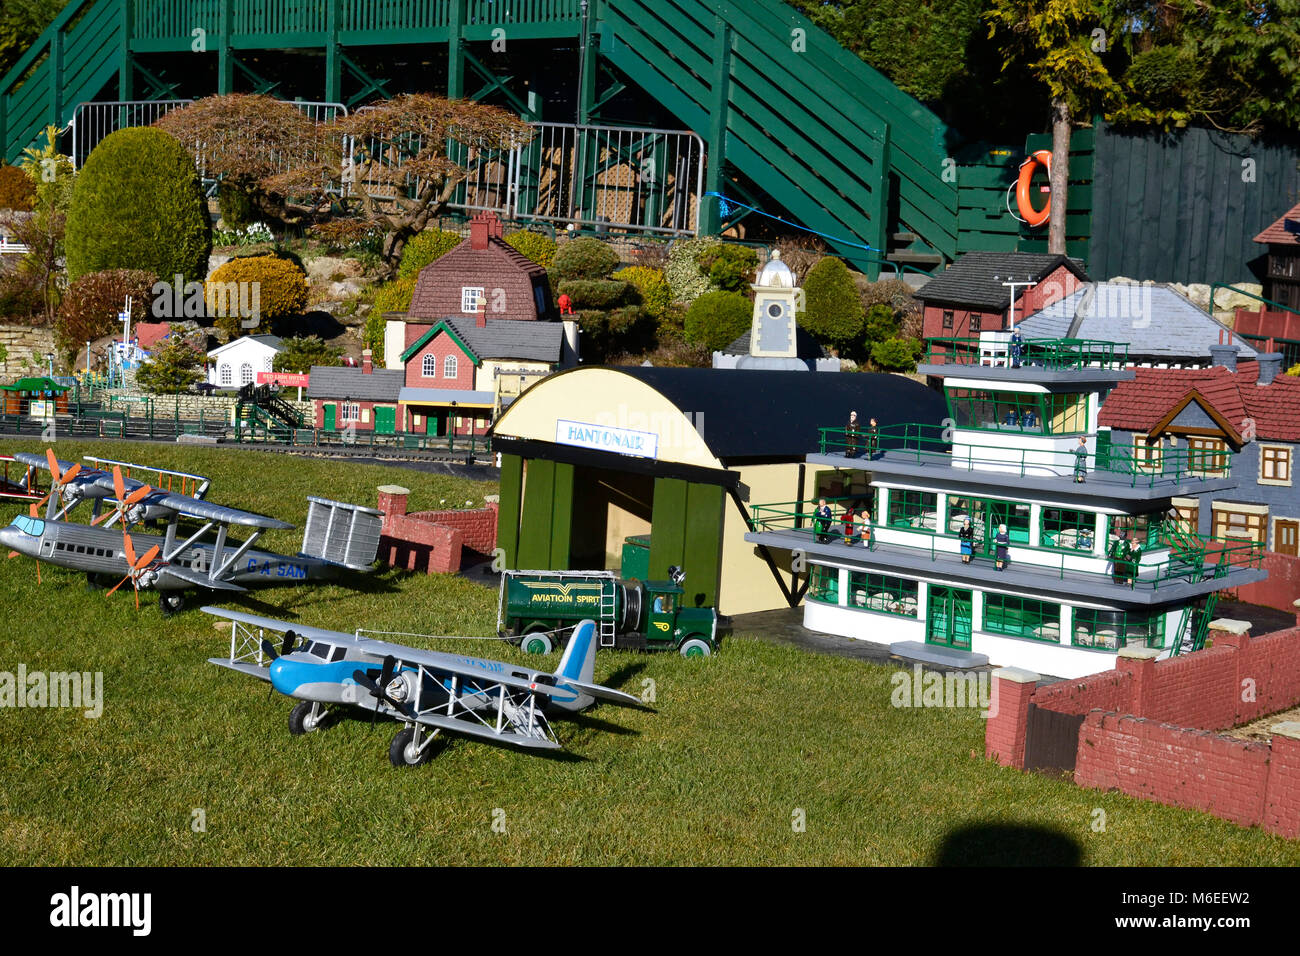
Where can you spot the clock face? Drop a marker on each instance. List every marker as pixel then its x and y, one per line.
pixel 775 327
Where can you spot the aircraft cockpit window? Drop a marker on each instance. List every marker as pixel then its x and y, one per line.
pixel 337 654
pixel 28 525
pixel 319 650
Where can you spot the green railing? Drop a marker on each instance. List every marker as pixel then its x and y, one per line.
pixel 1053 354
pixel 254 432
pixel 1214 560
pixel 926 445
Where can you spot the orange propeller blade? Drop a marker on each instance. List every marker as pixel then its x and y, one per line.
pixel 71 473
pixel 118 585
pixel 54 465
pixel 118 484
pixel 129 550
pixel 142 492
pixel 147 558
pixel 35 510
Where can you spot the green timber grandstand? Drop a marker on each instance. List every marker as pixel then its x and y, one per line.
pixel 788 120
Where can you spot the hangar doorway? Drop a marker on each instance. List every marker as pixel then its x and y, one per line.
pixel 608 506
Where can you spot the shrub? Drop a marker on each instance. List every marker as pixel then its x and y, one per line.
pixel 652 286
pixel 372 336
pixel 280 286
pixel 801 254
pixel 716 319
pixel 236 206
pixel 896 354
pixel 728 266
pixel 172 368
pixel 607 332
pixel 301 352
pixel 424 248
pixel 594 293
pixel 17 190
pixel 90 306
pixel 536 246
pixel 894 293
pixel 584 258
pixel 834 313
pixel 683 273
pixel 394 296
pixel 137 204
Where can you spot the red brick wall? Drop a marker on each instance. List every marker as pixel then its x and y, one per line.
pixel 478 526
pixel 1282 586
pixel 1056 286
pixel 1282 799
pixel 1109 690
pixel 932 322
pixel 441 346
pixel 1176 766
pixel 435 540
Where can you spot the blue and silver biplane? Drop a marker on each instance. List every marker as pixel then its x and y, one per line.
pixel 428 692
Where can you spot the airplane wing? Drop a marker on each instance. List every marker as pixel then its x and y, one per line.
pixel 461 726
pixel 196 507
pixel 198 580
pixel 252 670
pixel 271 624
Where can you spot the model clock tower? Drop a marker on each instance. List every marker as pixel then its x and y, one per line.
pixel 776 303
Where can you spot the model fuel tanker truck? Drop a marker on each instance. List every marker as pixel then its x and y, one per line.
pixel 540 608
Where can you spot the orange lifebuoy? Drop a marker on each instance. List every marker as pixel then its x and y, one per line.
pixel 1033 216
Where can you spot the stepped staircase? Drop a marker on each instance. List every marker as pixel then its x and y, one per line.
pixel 266 407
pixel 829 140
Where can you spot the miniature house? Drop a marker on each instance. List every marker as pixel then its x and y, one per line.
pixel 362 399
pixel 1073 591
pixel 1282 275
pixel 237 363
pixel 979 291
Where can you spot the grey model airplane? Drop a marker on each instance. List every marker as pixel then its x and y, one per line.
pixel 429 692
pixel 337 536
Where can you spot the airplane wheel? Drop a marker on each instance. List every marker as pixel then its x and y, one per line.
pixel 401 752
pixel 306 717
pixel 170 602
pixel 695 647
pixel 536 643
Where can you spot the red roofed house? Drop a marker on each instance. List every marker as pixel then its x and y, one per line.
pixel 1243 417
pixel 1281 284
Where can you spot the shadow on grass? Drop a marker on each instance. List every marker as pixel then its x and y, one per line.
pixel 1000 844
pixel 588 722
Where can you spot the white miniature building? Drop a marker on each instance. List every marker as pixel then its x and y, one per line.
pixel 237 362
pixel 775 341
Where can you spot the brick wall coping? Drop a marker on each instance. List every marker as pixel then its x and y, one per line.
pixel 1138 653
pixel 1016 675
pixel 1287 728
pixel 394 490
pixel 1230 625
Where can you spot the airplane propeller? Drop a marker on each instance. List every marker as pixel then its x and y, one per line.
pixel 58 479
pixel 286 646
pixel 379 690
pixel 125 502
pixel 138 566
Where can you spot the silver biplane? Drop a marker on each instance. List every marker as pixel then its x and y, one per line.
pixel 337 536
pixel 428 692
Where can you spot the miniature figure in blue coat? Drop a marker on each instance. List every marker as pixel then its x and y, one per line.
pixel 1017 348
pixel 1081 460
pixel 1029 419
pixel 822 520
pixel 966 535
pixel 1002 540
pixel 1012 419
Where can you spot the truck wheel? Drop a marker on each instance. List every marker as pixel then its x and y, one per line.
pixel 536 643
pixel 695 647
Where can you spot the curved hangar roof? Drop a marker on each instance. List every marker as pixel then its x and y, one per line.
pixel 706 418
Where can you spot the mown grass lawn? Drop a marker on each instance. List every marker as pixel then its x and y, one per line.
pixel 741 746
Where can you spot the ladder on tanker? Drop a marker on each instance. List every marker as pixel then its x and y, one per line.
pixel 608 611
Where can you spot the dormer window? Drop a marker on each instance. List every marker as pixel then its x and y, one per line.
pixel 469 296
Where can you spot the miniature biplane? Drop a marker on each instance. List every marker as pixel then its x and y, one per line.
pixel 18 484
pixel 337 536
pixel 428 692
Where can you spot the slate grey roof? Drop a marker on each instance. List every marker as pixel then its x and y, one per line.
pixel 806 347
pixel 538 341
pixel 976 278
pixel 445 396
pixel 332 381
pixel 1154 320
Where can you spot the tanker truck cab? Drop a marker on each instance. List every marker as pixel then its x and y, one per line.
pixel 692 630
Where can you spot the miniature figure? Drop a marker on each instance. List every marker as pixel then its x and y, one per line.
pixel 868 541
pixel 851 432
pixel 1081 460
pixel 822 520
pixel 1002 540
pixel 966 535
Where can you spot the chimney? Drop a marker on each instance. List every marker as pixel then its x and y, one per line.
pixel 367 366
pixel 1270 367
pixel 483 227
pixel 1225 355
pixel 480 317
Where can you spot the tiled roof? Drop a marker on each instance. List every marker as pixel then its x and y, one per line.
pixel 499 266
pixel 1139 404
pixel 332 381
pixel 501 339
pixel 976 278
pixel 1154 321
pixel 150 334
pixel 1277 231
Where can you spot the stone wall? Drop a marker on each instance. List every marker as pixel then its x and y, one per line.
pixel 212 406
pixel 26 348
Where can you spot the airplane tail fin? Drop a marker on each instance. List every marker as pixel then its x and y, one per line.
pixel 342 534
pixel 579 660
